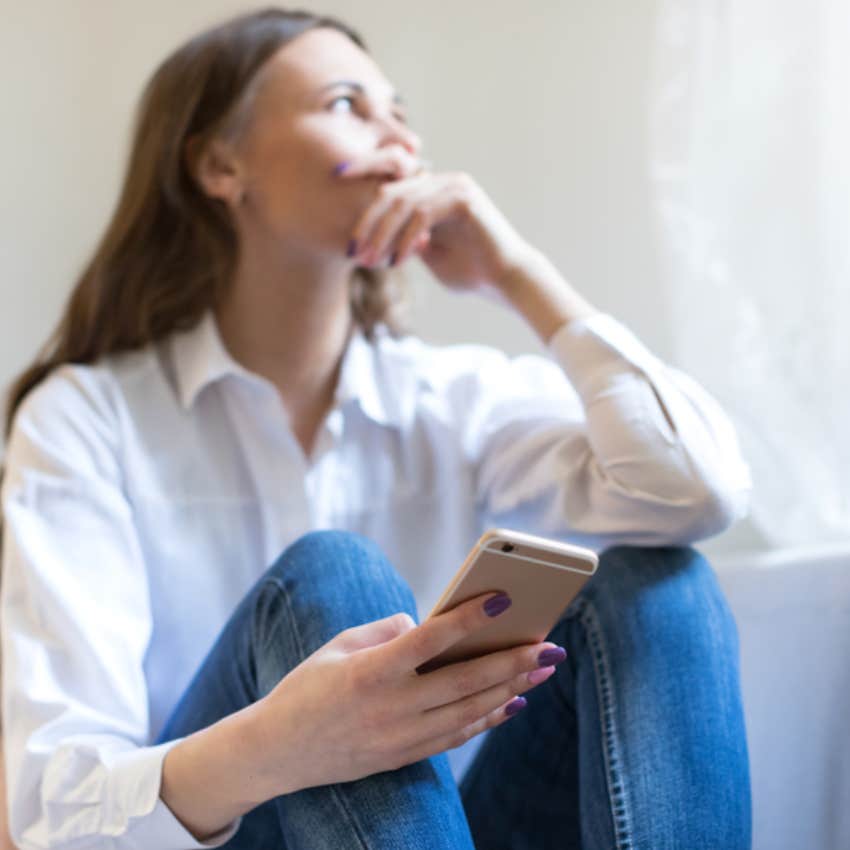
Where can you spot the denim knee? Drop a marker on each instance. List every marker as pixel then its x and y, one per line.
pixel 669 592
pixel 345 568
pixel 321 585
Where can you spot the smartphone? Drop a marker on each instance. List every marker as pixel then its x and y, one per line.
pixel 541 576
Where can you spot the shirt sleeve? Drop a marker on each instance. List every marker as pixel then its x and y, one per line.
pixel 606 444
pixel 75 620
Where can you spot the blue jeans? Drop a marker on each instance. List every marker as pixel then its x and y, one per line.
pixel 636 742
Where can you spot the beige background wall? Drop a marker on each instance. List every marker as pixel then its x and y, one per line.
pixel 545 104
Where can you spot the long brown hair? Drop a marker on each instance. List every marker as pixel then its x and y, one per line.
pixel 170 251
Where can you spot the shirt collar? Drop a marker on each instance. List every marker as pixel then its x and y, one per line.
pixel 200 359
pixel 379 376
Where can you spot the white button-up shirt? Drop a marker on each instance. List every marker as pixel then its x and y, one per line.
pixel 139 485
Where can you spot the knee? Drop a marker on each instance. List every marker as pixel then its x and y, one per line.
pixel 322 584
pixel 669 593
pixel 346 565
pixel 327 549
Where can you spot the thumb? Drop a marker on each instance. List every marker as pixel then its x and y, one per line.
pixel 376 632
pixel 422 241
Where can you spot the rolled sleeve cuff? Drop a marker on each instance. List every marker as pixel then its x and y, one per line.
pixel 165 832
pixel 152 823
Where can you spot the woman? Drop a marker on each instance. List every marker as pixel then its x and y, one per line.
pixel 223 384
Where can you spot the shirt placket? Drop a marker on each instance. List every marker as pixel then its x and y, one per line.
pixel 277 464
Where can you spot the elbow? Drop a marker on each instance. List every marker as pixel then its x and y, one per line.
pixel 716 509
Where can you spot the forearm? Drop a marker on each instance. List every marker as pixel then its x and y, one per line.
pixel 539 293
pixel 219 773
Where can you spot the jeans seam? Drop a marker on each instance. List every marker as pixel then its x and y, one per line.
pixel 620 809
pixel 333 788
pixel 290 614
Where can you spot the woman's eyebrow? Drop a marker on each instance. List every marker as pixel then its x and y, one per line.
pixel 359 87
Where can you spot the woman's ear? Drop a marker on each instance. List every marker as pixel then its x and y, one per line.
pixel 216 169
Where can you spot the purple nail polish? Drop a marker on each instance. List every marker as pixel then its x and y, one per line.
pixel 515 705
pixel 496 604
pixel 394 258
pixel 551 656
pixel 352 248
pixel 341 167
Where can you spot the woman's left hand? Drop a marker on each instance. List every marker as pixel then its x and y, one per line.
pixel 447 219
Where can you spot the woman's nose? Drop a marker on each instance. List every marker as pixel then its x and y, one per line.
pixel 396 132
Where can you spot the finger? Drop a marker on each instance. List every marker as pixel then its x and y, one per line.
pixel 423 242
pixel 401 234
pixel 457 715
pixel 458 737
pixel 383 217
pixel 386 230
pixel 457 681
pixel 437 197
pixel 374 633
pixel 369 220
pixel 438 633
pixel 391 161
pixel 414 237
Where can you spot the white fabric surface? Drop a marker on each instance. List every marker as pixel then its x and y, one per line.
pixel 793 614
pixel 133 483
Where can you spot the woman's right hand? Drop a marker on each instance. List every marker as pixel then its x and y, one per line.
pixel 357 706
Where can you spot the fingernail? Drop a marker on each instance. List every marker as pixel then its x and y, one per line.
pixel 515 705
pixel 394 258
pixel 552 656
pixel 496 604
pixel 352 248
pixel 341 167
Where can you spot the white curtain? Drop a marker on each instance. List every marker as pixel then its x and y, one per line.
pixel 750 148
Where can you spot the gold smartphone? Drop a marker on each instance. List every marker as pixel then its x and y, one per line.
pixel 541 576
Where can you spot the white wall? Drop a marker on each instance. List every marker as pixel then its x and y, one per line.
pixel 544 104
pixel 545 109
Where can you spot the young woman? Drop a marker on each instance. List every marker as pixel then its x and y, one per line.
pixel 225 385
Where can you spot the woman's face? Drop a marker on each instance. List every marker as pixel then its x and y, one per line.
pixel 305 120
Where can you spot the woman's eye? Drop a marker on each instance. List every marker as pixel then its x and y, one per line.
pixel 351 100
pixel 347 97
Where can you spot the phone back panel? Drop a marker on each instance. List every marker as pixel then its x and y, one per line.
pixel 541 582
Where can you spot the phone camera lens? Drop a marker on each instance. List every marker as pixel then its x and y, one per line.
pixel 507 547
